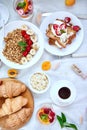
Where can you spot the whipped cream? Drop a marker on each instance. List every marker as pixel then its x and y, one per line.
pixel 63 36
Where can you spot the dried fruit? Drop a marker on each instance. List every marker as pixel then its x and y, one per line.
pixel 70 2
pixel 12 73
pixel 46 65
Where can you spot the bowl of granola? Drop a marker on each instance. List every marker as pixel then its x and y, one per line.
pixel 39 82
pixel 22 44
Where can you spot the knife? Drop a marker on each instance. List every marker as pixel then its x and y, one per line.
pixel 80 16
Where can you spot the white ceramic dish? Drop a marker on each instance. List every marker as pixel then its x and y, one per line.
pixel 4 14
pixel 14 25
pixel 54 93
pixel 69 48
pixel 36 83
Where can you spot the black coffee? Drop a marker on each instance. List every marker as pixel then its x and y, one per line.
pixel 64 92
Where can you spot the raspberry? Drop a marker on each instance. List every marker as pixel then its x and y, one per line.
pixel 29 42
pixel 27 37
pixel 47 110
pixel 52 114
pixel 25 53
pixel 28 48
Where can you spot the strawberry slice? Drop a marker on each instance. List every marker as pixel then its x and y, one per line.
pixel 62 26
pixel 76 28
pixel 67 19
pixel 55 26
pixel 51 119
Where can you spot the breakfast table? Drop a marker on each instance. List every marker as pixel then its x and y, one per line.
pixel 77 111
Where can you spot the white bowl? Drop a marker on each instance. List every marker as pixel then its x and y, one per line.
pixel 12 26
pixel 39 82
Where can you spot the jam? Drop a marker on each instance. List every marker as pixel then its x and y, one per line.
pixel 64 92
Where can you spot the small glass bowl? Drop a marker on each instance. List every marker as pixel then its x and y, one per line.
pixel 24 8
pixel 46 115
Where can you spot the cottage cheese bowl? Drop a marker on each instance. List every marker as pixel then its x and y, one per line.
pixel 39 82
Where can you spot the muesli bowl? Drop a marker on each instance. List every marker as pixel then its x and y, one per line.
pixel 39 82
pixel 25 48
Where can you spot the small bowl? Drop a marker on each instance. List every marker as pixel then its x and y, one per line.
pixel 39 82
pixel 46 115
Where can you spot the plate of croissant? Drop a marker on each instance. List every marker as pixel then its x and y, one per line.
pixel 16 104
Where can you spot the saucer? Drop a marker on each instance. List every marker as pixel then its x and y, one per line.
pixel 54 93
pixel 4 14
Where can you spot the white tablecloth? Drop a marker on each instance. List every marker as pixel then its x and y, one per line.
pixel 78 108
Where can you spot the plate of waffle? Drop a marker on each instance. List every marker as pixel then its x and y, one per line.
pixel 63 33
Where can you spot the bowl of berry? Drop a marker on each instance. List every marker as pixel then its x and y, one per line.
pixel 24 8
pixel 46 115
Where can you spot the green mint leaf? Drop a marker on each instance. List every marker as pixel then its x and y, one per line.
pixel 22 44
pixel 60 121
pixel 44 116
pixel 23 49
pixel 63 117
pixel 21 4
pixel 62 31
pixel 69 125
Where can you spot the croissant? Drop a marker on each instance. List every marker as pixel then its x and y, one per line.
pixel 11 89
pixel 17 119
pixel 12 105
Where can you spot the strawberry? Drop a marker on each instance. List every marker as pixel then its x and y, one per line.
pixel 67 19
pixel 76 28
pixel 23 32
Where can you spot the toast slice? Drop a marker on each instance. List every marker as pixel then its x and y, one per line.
pixel 61 40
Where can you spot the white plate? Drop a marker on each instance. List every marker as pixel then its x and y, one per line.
pixel 76 42
pixel 54 92
pixel 4 14
pixel 14 25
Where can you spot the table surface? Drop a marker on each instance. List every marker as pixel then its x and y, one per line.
pixel 78 108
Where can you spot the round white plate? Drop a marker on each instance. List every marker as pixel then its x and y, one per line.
pixel 14 25
pixel 4 14
pixel 69 48
pixel 54 92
